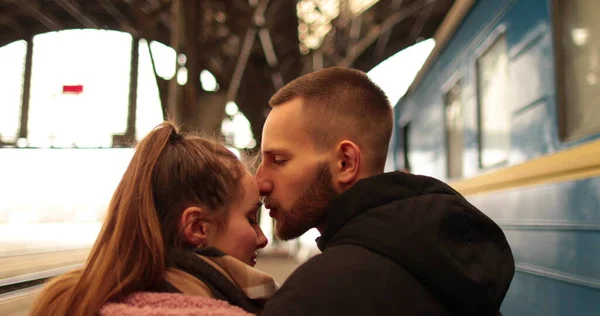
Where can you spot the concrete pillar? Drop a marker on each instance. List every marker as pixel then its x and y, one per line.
pixel 133 85
pixel 212 112
pixel 188 110
pixel 174 90
pixel 26 89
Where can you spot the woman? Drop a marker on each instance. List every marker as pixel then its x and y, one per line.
pixel 182 220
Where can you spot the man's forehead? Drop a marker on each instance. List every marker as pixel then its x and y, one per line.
pixel 283 119
pixel 287 111
pixel 283 131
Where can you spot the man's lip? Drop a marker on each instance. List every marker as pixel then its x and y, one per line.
pixel 272 212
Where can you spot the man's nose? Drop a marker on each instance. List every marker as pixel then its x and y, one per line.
pixel 264 183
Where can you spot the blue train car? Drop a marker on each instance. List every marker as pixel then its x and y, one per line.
pixel 507 111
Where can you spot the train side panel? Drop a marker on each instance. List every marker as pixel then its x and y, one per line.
pixel 554 227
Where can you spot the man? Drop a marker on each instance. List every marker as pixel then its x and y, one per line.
pixel 392 243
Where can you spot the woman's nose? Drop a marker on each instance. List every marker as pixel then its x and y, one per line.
pixel 262 239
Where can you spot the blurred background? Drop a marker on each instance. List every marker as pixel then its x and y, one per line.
pixel 91 93
pixel 497 97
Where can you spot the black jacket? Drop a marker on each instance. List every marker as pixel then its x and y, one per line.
pixel 401 244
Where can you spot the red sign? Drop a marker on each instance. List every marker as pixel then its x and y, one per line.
pixel 74 89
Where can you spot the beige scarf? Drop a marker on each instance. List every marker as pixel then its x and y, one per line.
pixel 255 284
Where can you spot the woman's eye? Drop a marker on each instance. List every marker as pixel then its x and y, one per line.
pixel 279 161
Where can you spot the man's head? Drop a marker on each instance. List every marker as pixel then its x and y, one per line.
pixel 326 130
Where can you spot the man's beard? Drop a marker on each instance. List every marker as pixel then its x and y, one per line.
pixel 309 211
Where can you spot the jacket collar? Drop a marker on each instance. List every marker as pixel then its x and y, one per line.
pixel 366 194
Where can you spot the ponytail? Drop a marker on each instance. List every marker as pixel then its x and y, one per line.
pixel 129 253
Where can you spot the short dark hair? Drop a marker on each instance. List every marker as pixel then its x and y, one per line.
pixel 343 103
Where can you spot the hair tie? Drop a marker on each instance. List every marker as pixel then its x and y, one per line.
pixel 176 136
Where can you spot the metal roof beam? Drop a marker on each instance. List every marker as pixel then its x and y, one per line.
pixel 76 12
pixel 159 9
pixel 8 21
pixel 34 10
pixel 266 43
pixel 246 49
pixel 238 73
pixel 156 10
pixel 355 26
pixel 420 23
pixel 385 36
pixel 379 30
pixel 124 23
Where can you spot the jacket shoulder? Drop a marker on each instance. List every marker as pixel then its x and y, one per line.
pixel 320 286
pixel 170 304
pixel 349 280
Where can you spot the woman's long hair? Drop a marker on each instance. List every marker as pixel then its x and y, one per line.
pixel 168 172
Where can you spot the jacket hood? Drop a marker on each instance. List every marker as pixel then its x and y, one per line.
pixel 432 232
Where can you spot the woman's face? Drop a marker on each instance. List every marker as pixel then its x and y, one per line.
pixel 241 236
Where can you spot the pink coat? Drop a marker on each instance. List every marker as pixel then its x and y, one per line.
pixel 170 304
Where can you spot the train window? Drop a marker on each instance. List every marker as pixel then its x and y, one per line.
pixel 494 113
pixel 578 71
pixel 454 130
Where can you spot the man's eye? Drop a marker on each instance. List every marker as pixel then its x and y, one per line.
pixel 278 161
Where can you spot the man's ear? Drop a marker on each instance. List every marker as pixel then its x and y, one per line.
pixel 347 163
pixel 196 227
